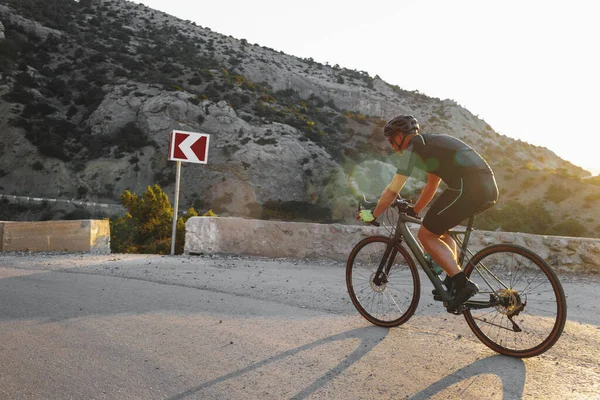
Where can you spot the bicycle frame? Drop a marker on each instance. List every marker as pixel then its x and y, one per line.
pixel 403 233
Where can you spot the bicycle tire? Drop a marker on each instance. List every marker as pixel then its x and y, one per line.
pixel 392 303
pixel 533 297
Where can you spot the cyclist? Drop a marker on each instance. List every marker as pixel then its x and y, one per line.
pixel 471 184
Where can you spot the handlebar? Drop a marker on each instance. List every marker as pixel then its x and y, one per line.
pixel 402 205
pixel 364 201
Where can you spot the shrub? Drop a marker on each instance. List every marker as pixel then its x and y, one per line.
pixel 263 141
pixel 26 80
pixel 295 211
pixel 9 48
pixel 593 181
pixel 37 110
pixel 132 138
pixel 121 72
pixel 78 213
pixel 592 197
pixel 54 148
pixel 146 228
pixel 19 95
pixel 569 227
pixel 516 217
pixel 527 183
pixel 556 193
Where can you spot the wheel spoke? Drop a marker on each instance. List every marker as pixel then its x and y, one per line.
pixel 393 301
pixel 492 323
pixel 534 301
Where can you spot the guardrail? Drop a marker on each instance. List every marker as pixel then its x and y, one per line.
pixel 30 199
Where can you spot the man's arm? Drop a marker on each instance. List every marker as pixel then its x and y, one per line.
pixel 389 194
pixel 433 182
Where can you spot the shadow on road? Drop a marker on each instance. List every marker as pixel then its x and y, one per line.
pixel 511 372
pixel 369 337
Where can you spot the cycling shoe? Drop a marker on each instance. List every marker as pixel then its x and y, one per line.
pixel 461 295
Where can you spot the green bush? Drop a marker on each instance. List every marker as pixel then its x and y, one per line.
pixel 147 225
pixel 82 191
pixel 295 211
pixel 516 217
pixel 556 193
pixel 592 197
pixel 263 141
pixel 19 94
pixel 593 181
pixel 132 138
pixel 569 227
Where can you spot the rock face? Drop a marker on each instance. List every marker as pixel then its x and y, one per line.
pixel 27 25
pixel 248 164
pixel 85 113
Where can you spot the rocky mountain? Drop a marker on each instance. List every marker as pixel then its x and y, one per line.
pixel 90 89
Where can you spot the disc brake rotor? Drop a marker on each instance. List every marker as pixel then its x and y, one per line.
pixel 377 288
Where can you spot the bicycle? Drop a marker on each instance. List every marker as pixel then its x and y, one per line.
pixel 520 310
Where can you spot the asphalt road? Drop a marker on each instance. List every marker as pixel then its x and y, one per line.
pixel 184 327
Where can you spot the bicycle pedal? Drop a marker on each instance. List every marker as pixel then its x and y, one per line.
pixel 462 308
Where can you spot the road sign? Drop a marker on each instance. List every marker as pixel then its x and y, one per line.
pixel 188 147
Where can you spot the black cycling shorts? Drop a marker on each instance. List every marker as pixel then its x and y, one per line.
pixel 458 204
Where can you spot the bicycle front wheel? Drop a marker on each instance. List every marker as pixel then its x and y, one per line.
pixel 392 302
pixel 532 309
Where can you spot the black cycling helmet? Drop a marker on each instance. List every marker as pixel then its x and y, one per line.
pixel 404 124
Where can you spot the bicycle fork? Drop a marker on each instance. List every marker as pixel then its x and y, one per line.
pixel 381 275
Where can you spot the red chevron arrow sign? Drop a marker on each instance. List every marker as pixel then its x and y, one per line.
pixel 188 146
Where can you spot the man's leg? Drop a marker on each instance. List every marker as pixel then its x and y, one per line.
pixel 444 253
pixel 451 244
pixel 441 248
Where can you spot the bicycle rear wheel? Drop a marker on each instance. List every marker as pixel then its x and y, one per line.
pixel 393 302
pixel 532 311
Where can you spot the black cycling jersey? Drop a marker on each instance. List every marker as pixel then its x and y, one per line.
pixel 441 155
pixel 470 179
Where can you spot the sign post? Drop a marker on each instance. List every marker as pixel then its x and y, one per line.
pixel 187 147
pixel 175 207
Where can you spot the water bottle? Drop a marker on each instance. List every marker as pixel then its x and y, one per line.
pixel 436 268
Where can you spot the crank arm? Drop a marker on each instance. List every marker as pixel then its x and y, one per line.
pixel 476 305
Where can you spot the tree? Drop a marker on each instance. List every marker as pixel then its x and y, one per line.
pixel 147 225
pixel 569 227
pixel 515 217
pixel 557 193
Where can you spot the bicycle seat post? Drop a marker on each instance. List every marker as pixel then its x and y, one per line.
pixel 466 239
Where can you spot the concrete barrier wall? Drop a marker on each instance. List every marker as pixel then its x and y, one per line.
pixel 272 238
pixel 213 235
pixel 88 236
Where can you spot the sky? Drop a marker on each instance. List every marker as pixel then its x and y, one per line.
pixel 529 68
